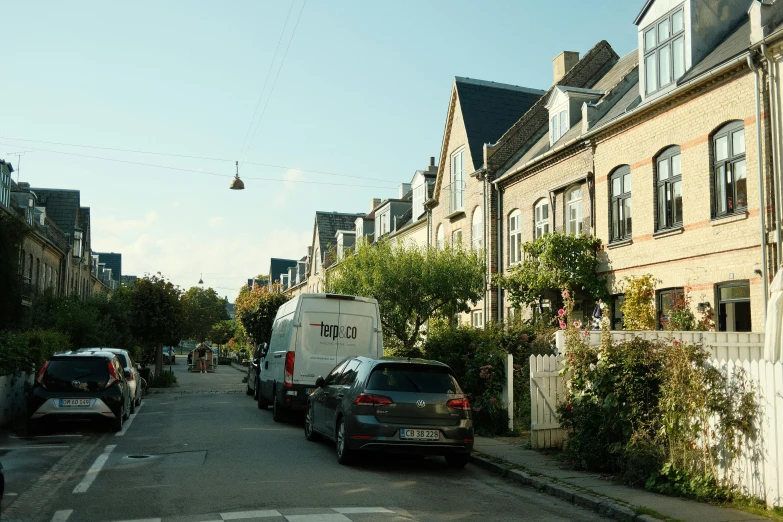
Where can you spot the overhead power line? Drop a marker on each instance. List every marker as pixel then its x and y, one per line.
pixel 268 73
pixel 207 173
pixel 186 156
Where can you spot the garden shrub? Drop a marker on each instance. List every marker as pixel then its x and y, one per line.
pixel 657 412
pixel 25 352
pixel 164 380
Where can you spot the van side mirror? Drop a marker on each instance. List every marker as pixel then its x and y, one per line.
pixel 319 382
pixel 126 373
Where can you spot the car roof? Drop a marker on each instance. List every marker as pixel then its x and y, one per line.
pixel 84 355
pixel 102 349
pixel 402 360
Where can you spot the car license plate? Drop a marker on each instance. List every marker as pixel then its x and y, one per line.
pixel 416 434
pixel 74 403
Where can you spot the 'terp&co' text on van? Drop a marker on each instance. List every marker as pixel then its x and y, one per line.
pixel 311 334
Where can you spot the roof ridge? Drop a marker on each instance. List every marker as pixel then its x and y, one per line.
pixel 497 85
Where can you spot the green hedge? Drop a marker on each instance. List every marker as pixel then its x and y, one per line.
pixel 478 359
pixel 25 352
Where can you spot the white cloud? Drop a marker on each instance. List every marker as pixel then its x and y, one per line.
pixel 112 224
pixel 291 177
pixel 215 221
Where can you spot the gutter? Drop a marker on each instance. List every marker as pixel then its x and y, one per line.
pixel 694 81
pixel 761 186
pixel 499 244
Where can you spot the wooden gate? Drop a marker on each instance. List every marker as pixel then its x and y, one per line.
pixel 547 389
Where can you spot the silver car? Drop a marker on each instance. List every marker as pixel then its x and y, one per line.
pixel 134 381
pixel 391 405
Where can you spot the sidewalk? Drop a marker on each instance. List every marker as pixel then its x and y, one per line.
pixel 591 490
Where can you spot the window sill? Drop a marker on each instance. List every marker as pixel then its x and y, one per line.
pixel 619 243
pixel 729 218
pixel 669 232
pixel 456 213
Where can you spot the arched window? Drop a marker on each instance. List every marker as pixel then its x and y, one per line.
pixel 729 176
pixel 620 203
pixel 477 235
pixel 669 189
pixel 514 237
pixel 573 208
pixel 542 218
pixel 440 238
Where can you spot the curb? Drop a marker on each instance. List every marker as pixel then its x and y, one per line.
pixel 600 505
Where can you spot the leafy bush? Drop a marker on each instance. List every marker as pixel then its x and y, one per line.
pixel 657 412
pixel 164 380
pixel 639 305
pixel 25 352
pixel 478 358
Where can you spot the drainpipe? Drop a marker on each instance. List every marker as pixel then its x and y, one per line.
pixel 762 209
pixel 773 102
pixel 487 253
pixel 499 243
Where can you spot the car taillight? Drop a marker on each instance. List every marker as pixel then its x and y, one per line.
pixel 113 377
pixel 132 375
pixel 288 379
pixel 368 399
pixel 39 378
pixel 459 404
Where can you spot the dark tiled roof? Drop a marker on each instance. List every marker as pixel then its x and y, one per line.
pixel 489 109
pixel 405 219
pixel 280 266
pixel 329 223
pixel 112 261
pixel 735 44
pixel 62 206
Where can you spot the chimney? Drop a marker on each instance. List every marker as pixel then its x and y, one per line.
pixel 563 63
pixel 761 14
pixel 432 161
pixel 432 168
pixel 374 203
pixel 404 188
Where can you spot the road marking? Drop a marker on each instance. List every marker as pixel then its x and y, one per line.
pixel 239 515
pixel 130 421
pixel 359 510
pixel 46 436
pixel 37 446
pixel 333 517
pixel 142 520
pixel 96 467
pixel 62 515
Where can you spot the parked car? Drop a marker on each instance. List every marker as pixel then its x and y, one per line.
pixel 134 380
pixel 253 372
pixel 328 329
pixel 391 404
pixel 169 357
pixel 80 386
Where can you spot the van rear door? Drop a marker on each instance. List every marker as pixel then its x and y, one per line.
pixel 357 333
pixel 317 349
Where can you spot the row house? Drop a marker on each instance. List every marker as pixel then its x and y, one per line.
pixel 664 155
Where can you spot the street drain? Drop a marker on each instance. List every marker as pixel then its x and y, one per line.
pixel 139 456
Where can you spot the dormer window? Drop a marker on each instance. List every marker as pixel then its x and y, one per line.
pixel 664 51
pixel 419 192
pixel 77 243
pixel 558 126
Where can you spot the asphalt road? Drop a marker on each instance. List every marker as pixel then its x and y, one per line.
pixel 203 451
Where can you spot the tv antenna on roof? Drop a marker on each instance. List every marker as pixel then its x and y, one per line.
pixel 19 161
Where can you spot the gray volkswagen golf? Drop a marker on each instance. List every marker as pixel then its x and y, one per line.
pixel 391 404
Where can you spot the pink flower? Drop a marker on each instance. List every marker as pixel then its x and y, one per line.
pixel 562 325
pixel 676 342
pixel 492 401
pixel 576 324
pixel 561 312
pixel 565 293
pixel 587 334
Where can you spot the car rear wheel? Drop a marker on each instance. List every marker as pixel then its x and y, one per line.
pixel 133 406
pixel 457 461
pixel 309 429
pixel 345 456
pixel 127 412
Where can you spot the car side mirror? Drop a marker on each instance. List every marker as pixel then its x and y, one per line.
pixel 126 373
pixel 319 382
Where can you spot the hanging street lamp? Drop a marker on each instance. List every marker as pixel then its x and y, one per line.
pixel 236 183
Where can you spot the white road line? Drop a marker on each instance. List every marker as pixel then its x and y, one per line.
pixel 142 520
pixel 332 517
pixel 239 515
pixel 359 510
pixel 96 467
pixel 130 421
pixel 62 515
pixel 37 446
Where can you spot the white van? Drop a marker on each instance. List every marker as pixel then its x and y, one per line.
pixel 311 334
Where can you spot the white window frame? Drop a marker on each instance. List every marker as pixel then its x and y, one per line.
pixel 663 47
pixel 541 218
pixel 477 318
pixel 456 237
pixel 573 207
pixel 477 230
pixel 559 124
pixel 515 237
pixel 457 198
pixel 440 238
pixel 419 192
pixel 316 262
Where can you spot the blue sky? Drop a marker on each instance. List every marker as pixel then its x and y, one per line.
pixel 363 92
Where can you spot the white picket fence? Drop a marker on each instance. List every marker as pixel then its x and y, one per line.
pixel 759 472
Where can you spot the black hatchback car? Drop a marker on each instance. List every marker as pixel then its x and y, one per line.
pixel 80 386
pixel 391 404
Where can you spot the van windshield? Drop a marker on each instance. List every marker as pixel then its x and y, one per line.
pixel 411 379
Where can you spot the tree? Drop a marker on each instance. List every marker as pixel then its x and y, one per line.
pixel 202 309
pixel 552 262
pixel 156 310
pixel 256 310
pixel 223 331
pixel 12 233
pixel 411 284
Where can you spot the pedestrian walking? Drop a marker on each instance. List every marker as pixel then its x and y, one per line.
pixel 598 313
pixel 201 349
